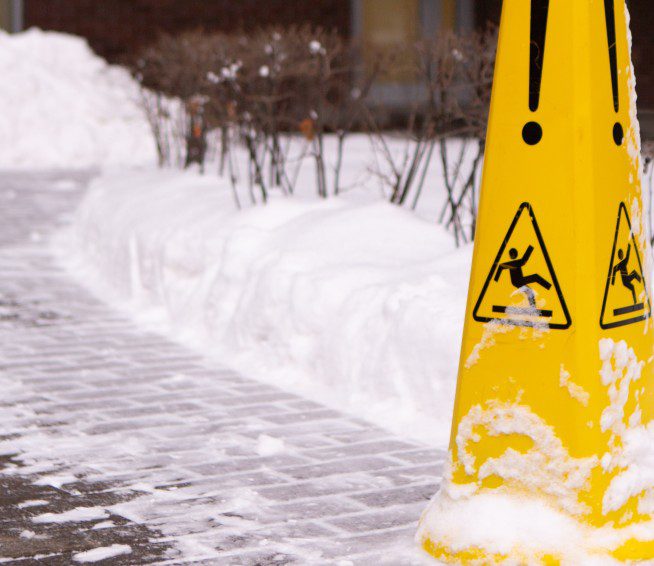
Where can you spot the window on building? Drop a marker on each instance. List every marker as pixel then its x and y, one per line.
pixel 383 25
pixel 386 25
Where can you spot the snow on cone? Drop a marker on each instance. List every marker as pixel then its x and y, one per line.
pixel 552 445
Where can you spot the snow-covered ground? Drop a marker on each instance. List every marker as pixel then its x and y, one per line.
pixel 351 301
pixel 65 107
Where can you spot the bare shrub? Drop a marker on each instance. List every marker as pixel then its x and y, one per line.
pixel 454 76
pixel 172 74
pixel 274 95
pixel 278 89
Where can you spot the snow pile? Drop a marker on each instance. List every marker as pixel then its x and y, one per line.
pixel 65 107
pixel 353 302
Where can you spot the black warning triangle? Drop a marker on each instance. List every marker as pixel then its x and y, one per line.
pixel 626 300
pixel 522 288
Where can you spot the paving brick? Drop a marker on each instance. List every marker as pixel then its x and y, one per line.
pixel 244 464
pixel 415 474
pixel 307 416
pixel 325 508
pixel 421 456
pixel 390 518
pixel 408 494
pixel 386 446
pixel 338 467
pixel 325 486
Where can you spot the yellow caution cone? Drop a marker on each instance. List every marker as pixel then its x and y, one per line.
pixel 552 446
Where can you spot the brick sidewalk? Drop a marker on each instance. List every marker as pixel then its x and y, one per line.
pixel 115 438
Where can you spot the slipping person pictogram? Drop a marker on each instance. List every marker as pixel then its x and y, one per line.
pixel 518 278
pixel 622 267
pixel 523 267
pixel 626 300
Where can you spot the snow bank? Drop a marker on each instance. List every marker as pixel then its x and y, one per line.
pixel 353 302
pixel 65 107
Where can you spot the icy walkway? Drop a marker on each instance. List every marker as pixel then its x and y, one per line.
pixel 120 447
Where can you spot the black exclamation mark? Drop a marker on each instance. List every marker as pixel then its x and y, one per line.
pixel 609 9
pixel 532 133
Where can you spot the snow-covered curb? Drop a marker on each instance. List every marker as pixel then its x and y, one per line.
pixel 357 304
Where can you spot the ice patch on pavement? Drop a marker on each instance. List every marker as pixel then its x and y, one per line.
pixel 55 480
pixel 32 503
pixel 103 553
pixel 79 514
pixel 103 525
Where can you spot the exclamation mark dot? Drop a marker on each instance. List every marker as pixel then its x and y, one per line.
pixel 609 9
pixel 532 133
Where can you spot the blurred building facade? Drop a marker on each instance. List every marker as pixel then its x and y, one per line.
pixel 11 15
pixel 118 28
pixel 410 21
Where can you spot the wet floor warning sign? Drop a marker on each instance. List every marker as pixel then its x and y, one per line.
pixel 522 288
pixel 556 377
pixel 625 299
